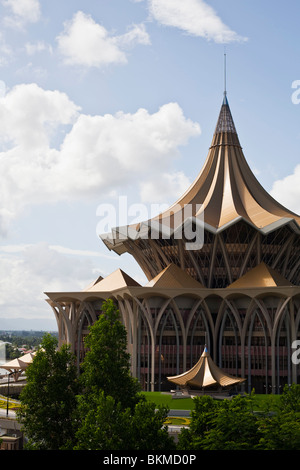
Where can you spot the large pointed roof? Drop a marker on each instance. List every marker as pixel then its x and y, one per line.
pixel 224 192
pixel 205 374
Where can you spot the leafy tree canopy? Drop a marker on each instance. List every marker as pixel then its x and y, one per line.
pixel 49 400
pixel 106 366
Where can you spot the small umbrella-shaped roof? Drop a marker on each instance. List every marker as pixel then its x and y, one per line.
pixel 205 374
pixel 21 363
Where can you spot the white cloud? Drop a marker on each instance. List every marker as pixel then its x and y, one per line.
pixel 39 46
pixel 29 118
pixel 195 17
pixel 23 11
pixel 87 43
pixel 28 114
pixel 165 188
pixel 27 271
pixel 59 249
pixel 97 154
pixel 6 52
pixel 136 35
pixel 287 191
pixel 132 144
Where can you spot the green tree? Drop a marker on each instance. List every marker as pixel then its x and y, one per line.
pixel 280 430
pixel 234 426
pixel 105 425
pixel 48 400
pixel 106 366
pixel 290 398
pixel 191 438
pixel 148 431
pixel 101 423
pixel 221 425
pixel 112 413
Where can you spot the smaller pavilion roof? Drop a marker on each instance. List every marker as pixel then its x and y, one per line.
pixel 205 374
pixel 116 280
pixel 260 276
pixel 93 283
pixel 17 366
pixel 19 363
pixel 173 277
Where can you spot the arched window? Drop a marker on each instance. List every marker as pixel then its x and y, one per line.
pixel 283 352
pixel 198 337
pixel 258 354
pixel 144 352
pixel 168 354
pixel 229 344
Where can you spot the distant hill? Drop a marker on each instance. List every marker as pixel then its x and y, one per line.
pixel 28 324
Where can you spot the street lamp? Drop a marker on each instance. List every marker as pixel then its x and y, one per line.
pixel 9 374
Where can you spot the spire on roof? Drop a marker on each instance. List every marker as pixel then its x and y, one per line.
pixel 225 122
pixel 224 192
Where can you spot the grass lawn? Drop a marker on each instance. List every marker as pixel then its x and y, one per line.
pixel 166 399
pixel 188 404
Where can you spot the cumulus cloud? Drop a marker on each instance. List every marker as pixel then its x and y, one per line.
pixel 96 154
pixel 134 144
pixel 136 34
pixel 39 46
pixel 28 114
pixel 22 11
pixel 287 191
pixel 87 43
pixel 165 188
pixel 195 17
pixel 25 272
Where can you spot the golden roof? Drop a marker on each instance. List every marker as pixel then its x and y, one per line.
pixel 17 366
pixel 205 374
pixel 116 280
pixel 224 192
pixel 20 363
pixel 260 276
pixel 174 277
pixel 93 283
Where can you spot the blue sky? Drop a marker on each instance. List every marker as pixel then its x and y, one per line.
pixel 109 98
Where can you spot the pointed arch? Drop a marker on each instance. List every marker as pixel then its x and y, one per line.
pixel 258 322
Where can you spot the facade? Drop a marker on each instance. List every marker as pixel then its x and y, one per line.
pixel 225 273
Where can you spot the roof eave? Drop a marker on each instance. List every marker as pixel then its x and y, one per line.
pixel 118 246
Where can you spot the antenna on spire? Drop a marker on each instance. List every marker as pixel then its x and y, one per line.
pixel 225 79
pixel 225 85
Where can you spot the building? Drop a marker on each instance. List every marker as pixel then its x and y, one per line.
pixel 225 273
pixel 205 375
